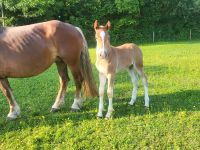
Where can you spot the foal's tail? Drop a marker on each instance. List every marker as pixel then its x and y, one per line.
pixel 86 70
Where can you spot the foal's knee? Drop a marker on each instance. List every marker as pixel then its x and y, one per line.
pixel 110 92
pixel 144 80
pixel 101 91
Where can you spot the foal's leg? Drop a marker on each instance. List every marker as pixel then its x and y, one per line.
pixel 14 108
pixel 78 82
pixel 102 79
pixel 110 94
pixel 135 85
pixel 64 79
pixel 145 83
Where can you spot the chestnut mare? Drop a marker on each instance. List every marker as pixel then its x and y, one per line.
pixel 29 50
pixel 110 60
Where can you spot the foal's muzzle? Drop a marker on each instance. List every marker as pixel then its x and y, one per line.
pixel 103 54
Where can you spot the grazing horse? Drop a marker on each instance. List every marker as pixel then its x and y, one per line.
pixel 110 60
pixel 27 51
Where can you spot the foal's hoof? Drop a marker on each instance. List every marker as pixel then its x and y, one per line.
pixel 108 117
pixel 99 117
pixel 75 110
pixel 131 104
pixel 55 109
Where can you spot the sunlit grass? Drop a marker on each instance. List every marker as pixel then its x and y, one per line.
pixel 172 122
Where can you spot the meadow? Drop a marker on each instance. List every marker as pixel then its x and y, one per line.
pixel 171 122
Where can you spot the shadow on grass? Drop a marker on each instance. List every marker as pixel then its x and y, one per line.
pixel 156 69
pixel 188 100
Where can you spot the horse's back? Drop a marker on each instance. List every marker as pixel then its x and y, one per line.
pixel 29 50
pixel 131 53
pixel 25 51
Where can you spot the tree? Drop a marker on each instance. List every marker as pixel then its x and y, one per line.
pixel 132 20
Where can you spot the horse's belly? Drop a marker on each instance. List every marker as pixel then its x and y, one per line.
pixel 26 67
pixel 27 71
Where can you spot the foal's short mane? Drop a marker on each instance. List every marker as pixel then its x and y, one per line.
pixel 101 27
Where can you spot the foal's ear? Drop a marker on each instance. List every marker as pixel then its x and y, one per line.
pixel 108 25
pixel 96 25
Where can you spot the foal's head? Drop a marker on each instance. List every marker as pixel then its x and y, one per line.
pixel 102 38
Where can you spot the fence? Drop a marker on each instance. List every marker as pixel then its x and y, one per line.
pixel 192 34
pixel 155 36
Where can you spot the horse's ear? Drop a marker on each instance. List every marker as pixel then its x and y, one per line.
pixel 108 25
pixel 96 24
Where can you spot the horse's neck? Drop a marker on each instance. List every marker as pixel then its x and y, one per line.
pixel 113 51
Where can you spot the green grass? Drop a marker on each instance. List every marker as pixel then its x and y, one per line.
pixel 172 122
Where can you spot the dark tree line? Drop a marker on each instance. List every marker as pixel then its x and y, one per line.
pixel 132 20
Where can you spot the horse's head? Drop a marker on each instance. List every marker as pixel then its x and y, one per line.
pixel 102 39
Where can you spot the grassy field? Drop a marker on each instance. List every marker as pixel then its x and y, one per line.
pixel 172 122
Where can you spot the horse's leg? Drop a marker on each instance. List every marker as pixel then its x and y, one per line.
pixel 102 79
pixel 145 84
pixel 135 85
pixel 78 83
pixel 64 79
pixel 14 107
pixel 110 94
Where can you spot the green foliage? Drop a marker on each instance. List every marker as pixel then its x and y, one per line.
pixel 172 122
pixel 127 6
pixel 132 20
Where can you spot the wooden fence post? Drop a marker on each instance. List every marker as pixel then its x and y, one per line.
pixel 153 36
pixel 2 14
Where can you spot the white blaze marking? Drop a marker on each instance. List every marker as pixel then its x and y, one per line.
pixel 102 35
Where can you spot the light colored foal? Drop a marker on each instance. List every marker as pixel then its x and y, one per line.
pixel 110 60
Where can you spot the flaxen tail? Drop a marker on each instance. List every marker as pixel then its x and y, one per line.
pixel 86 70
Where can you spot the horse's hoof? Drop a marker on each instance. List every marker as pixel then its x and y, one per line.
pixel 75 110
pixel 10 118
pixel 13 116
pixel 54 110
